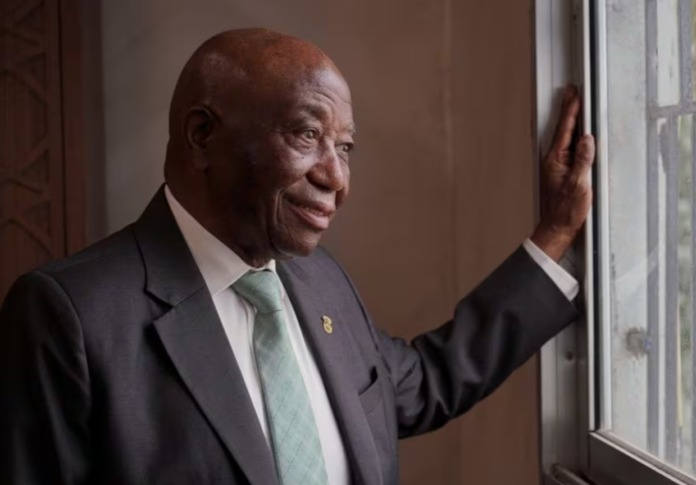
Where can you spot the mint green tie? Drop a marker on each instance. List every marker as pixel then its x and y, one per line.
pixel 296 446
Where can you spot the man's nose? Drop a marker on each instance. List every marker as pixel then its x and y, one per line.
pixel 330 172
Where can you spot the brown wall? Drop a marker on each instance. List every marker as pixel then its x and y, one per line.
pixel 442 192
pixel 442 179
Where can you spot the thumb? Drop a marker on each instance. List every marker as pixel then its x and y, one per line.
pixel 584 157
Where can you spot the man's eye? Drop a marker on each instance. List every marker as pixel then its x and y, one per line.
pixel 346 147
pixel 310 134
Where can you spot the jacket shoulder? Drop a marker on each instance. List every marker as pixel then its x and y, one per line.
pixel 105 263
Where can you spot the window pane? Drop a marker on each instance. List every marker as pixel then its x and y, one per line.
pixel 650 144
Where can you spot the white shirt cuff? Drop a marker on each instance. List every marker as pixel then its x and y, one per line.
pixel 565 282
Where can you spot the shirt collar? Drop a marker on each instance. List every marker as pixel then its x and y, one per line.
pixel 219 265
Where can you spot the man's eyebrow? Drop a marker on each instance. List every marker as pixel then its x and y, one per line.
pixel 314 110
pixel 321 113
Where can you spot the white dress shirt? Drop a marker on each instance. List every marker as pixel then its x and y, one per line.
pixel 220 267
pixel 565 282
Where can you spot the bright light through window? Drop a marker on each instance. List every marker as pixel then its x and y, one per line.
pixel 650 158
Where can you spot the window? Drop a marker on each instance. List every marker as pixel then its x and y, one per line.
pixel 617 401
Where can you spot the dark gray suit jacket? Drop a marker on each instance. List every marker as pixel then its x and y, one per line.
pixel 115 368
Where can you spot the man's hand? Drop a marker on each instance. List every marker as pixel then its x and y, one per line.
pixel 566 194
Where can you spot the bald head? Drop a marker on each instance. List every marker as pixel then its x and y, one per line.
pixel 261 127
pixel 239 65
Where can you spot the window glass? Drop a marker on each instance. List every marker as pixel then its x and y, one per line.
pixel 650 144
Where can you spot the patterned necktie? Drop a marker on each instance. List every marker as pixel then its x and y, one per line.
pixel 296 446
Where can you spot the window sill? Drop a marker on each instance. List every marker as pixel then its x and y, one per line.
pixel 561 476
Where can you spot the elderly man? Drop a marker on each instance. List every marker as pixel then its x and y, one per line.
pixel 214 341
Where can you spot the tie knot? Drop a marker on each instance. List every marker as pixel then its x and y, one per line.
pixel 261 289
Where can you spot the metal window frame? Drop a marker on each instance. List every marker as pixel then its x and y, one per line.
pixel 571 47
pixel 565 366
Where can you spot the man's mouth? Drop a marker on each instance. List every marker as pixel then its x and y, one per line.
pixel 313 214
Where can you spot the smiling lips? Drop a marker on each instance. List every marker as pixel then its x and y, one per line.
pixel 314 214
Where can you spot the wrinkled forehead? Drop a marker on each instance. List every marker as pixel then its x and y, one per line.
pixel 308 88
pixel 320 94
pixel 325 83
pixel 259 79
pixel 283 73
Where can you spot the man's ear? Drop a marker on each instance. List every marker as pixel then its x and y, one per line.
pixel 199 126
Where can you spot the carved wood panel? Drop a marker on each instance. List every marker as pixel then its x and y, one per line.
pixel 32 215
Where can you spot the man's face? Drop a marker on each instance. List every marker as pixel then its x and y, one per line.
pixel 278 171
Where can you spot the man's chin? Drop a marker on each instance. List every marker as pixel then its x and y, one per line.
pixel 297 247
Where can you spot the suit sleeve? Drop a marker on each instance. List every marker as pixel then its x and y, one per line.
pixel 44 386
pixel 495 329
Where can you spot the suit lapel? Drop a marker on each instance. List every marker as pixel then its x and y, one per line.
pixel 196 342
pixel 332 356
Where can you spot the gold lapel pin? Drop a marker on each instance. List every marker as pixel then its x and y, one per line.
pixel 328 324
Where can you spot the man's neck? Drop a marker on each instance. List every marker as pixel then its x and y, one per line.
pixel 217 226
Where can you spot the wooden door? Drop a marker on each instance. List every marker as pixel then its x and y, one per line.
pixel 41 162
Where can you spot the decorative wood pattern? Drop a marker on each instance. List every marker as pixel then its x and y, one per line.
pixel 31 159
